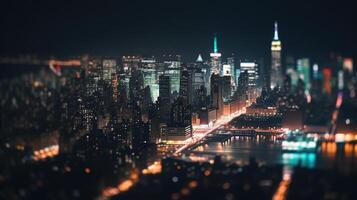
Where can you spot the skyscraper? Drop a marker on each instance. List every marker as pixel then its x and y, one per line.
pixel 109 67
pixel 253 79
pixel 130 63
pixel 226 88
pixel 173 69
pixel 215 58
pixel 276 79
pixel 252 69
pixel 230 62
pixel 216 94
pixel 303 69
pixel 185 87
pixel 164 98
pixel 148 67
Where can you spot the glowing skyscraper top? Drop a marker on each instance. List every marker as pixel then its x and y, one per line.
pixel 276 75
pixel 215 47
pixel 216 64
pixel 276 34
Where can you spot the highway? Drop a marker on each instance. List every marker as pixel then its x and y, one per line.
pixel 200 133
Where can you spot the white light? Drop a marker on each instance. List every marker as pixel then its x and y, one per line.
pixel 216 55
pixel 247 64
pixel 348 121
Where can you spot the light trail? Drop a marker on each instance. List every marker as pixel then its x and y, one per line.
pixel 47 152
pixel 123 186
pixel 197 138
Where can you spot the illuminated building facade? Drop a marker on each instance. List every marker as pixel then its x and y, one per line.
pixel 215 58
pixel 276 79
pixel 252 69
pixel 130 63
pixel 234 78
pixel 148 67
pixel 109 67
pixel 173 70
pixel 226 70
pixel 303 69
pixel 327 77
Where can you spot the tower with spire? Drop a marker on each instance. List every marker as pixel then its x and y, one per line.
pixel 215 57
pixel 199 59
pixel 276 76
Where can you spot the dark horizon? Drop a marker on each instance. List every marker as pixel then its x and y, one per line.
pixel 113 28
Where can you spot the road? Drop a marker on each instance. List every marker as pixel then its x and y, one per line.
pixel 200 133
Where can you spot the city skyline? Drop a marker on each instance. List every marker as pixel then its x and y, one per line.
pixel 178 100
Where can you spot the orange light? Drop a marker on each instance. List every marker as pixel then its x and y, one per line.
pixel 124 186
pixel 207 173
pixel 193 184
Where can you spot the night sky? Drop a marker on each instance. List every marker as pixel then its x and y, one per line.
pixel 114 28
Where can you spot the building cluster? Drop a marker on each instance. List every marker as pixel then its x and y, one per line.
pixel 147 99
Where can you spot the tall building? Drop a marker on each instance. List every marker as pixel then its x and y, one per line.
pixel 109 67
pixel 230 62
pixel 215 58
pixel 197 87
pixel 252 70
pixel 226 88
pixel 276 77
pixel 148 67
pixel 253 79
pixel 327 78
pixel 185 84
pixel 173 69
pixel 243 88
pixel 130 63
pixel 164 98
pixel 216 94
pixel 291 70
pixel 115 85
pixel 303 70
pixel 136 86
pixel 206 70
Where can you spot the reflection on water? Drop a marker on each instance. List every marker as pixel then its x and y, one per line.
pixel 307 160
pixel 267 150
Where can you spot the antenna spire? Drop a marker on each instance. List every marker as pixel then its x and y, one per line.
pixel 276 35
pixel 215 46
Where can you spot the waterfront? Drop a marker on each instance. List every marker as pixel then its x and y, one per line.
pixel 267 150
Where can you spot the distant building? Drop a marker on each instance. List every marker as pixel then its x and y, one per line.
pixel 252 69
pixel 276 77
pixel 185 83
pixel 215 58
pixel 303 69
pixel 226 88
pixel 327 78
pixel 216 94
pixel 172 67
pixel 164 98
pixel 149 69
pixel 109 67
pixel 130 63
